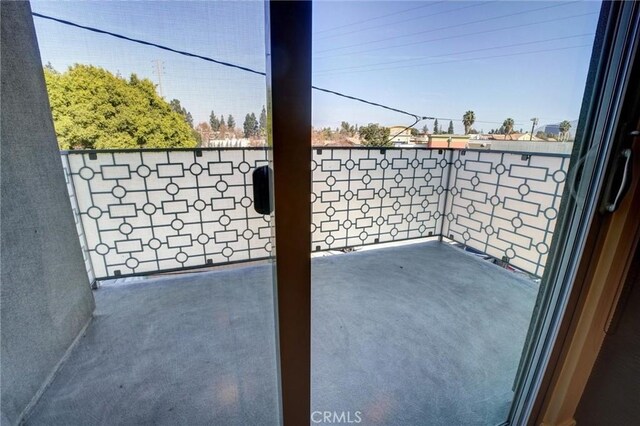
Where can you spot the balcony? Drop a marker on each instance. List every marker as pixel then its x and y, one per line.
pixel 413 332
pixel 419 334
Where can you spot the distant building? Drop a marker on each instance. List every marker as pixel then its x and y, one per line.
pixel 512 137
pixel 420 139
pixel 553 129
pixel 448 141
pixel 400 135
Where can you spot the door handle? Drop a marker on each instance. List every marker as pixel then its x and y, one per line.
pixel 619 182
pixel 262 184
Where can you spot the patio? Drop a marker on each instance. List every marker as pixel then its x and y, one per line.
pixel 423 333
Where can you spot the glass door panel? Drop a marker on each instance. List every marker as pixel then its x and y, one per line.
pixel 160 113
pixel 442 148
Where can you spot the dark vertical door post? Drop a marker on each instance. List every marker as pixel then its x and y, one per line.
pixel 290 90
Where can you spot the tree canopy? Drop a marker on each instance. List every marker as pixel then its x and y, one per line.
pixel 250 125
pixel 347 129
pixel 564 127
pixel 177 107
pixel 375 135
pixel 214 123
pixel 95 109
pixel 468 119
pixel 262 124
pixel 508 126
pixel 231 123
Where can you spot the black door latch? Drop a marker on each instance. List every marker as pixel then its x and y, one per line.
pixel 262 184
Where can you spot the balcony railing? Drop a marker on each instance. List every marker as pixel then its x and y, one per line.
pixel 147 211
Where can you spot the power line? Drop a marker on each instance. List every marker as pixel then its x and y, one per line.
pixel 378 17
pixel 458 36
pixel 148 43
pixel 353 98
pixel 406 20
pixel 448 26
pixel 455 53
pixel 417 117
pixel 468 59
pixel 208 59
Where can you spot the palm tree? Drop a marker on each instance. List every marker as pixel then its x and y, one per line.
pixel 508 126
pixel 564 130
pixel 468 119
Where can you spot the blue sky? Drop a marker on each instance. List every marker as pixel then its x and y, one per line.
pixel 499 58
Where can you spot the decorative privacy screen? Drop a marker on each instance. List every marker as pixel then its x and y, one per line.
pixel 148 211
pixel 368 196
pixel 505 204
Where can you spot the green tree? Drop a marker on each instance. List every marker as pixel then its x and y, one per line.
pixel 347 129
pixel 436 129
pixel 564 130
pixel 214 122
pixel 375 135
pixel 94 109
pixel 450 129
pixel 250 125
pixel 425 129
pixel 508 126
pixel 468 119
pixel 231 123
pixel 175 106
pixel 414 131
pixel 262 123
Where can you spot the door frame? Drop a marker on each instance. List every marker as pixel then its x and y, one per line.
pixel 289 100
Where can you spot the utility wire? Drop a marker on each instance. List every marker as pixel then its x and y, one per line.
pixel 453 53
pixel 148 43
pixel 378 17
pixel 353 98
pixel 417 117
pixel 448 26
pixel 390 24
pixel 492 30
pixel 216 61
pixel 465 60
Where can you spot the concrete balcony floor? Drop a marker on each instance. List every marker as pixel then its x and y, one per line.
pixel 422 334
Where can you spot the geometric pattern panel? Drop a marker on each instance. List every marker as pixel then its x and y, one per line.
pixel 364 196
pixel 158 210
pixel 76 216
pixel 143 211
pixel 505 204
